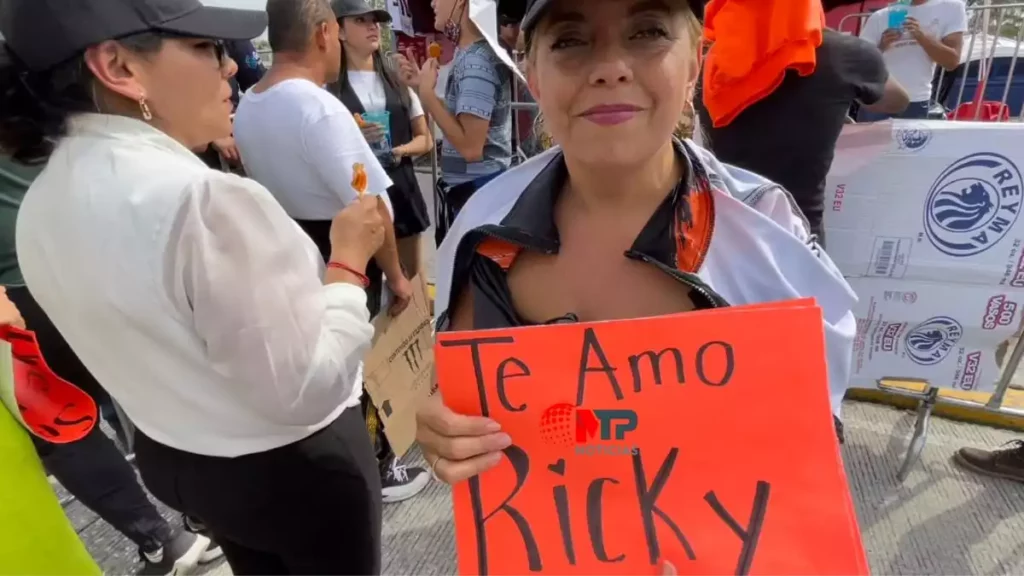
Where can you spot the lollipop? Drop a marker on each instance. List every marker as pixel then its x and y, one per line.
pixel 434 50
pixel 359 120
pixel 359 179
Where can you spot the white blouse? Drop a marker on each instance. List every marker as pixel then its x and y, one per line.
pixel 188 293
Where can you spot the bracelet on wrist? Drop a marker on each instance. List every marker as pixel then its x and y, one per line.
pixel 363 278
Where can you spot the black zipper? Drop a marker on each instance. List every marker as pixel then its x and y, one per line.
pixel 712 299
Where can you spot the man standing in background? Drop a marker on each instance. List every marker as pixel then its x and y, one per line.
pixel 932 33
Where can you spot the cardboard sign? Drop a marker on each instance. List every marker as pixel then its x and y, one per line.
pixel 46 405
pixel 397 371
pixel 705 439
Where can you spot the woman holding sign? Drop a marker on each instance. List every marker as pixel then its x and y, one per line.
pixel 204 310
pixel 624 220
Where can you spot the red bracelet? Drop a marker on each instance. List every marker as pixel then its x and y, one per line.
pixel 363 279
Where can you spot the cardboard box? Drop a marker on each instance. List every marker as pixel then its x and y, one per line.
pixel 947 335
pixel 928 200
pixel 399 368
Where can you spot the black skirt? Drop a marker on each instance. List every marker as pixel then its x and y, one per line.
pixel 411 215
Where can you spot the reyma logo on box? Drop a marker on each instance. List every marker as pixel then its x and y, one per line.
pixel 973 204
pixel 931 341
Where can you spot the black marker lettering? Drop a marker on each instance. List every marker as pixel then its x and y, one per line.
pixel 655 361
pixel 561 495
pixel 730 363
pixel 752 533
pixel 521 465
pixel 595 520
pixel 648 498
pixel 524 370
pixel 478 369
pixel 590 342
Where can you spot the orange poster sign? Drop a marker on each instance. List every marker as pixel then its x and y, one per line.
pixel 704 439
pixel 48 406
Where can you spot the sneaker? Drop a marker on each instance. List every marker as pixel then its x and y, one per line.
pixel 401 482
pixel 213 550
pixel 1006 462
pixel 178 556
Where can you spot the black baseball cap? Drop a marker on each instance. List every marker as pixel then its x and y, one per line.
pixel 44 33
pixel 536 8
pixel 349 8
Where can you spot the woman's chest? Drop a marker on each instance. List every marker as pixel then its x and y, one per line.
pixel 593 288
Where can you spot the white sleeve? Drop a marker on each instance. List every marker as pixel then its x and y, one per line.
pixel 246 274
pixel 415 106
pixel 333 145
pixel 830 290
pixel 954 20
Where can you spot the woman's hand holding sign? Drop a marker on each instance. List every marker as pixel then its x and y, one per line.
pixel 458 447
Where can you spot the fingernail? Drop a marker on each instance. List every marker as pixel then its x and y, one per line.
pixel 503 440
pixel 493 426
pixel 493 458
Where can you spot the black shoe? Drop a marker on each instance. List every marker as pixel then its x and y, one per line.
pixel 401 482
pixel 179 555
pixel 1006 462
pixel 213 550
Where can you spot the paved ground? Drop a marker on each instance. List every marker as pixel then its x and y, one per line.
pixel 941 521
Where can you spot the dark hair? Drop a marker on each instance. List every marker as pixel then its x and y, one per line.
pixel 292 22
pixel 383 69
pixel 35 106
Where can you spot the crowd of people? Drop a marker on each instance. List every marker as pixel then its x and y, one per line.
pixel 204 258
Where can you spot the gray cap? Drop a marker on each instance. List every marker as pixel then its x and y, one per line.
pixel 349 8
pixel 44 33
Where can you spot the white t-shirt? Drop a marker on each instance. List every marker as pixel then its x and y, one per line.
pixel 369 88
pixel 301 143
pixel 907 61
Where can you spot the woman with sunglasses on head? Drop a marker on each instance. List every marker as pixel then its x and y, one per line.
pixel 188 292
pixel 370 89
pixel 624 219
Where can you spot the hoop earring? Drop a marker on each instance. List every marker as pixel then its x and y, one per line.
pixel 147 114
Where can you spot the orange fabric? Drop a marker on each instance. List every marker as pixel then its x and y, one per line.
pixel 753 43
pixel 693 241
pixel 502 253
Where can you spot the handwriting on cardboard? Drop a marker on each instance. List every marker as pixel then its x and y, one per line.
pixel 645 440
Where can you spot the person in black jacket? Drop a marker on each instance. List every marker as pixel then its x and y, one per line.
pixel 367 85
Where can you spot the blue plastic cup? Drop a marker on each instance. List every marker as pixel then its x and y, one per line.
pixel 897 16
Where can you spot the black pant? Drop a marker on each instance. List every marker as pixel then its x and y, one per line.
pixel 312 507
pixel 93 470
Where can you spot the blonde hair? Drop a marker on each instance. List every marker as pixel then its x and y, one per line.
pixel 688 124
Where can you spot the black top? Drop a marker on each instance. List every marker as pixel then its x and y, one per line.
pixel 790 136
pixel 250 66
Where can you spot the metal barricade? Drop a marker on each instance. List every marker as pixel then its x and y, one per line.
pixel 992 46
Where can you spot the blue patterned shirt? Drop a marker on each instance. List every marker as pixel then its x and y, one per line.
pixel 479 84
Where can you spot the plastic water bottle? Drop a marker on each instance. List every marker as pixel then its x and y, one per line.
pixel 898 11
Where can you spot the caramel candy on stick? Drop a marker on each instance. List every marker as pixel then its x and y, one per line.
pixel 359 120
pixel 434 50
pixel 359 179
